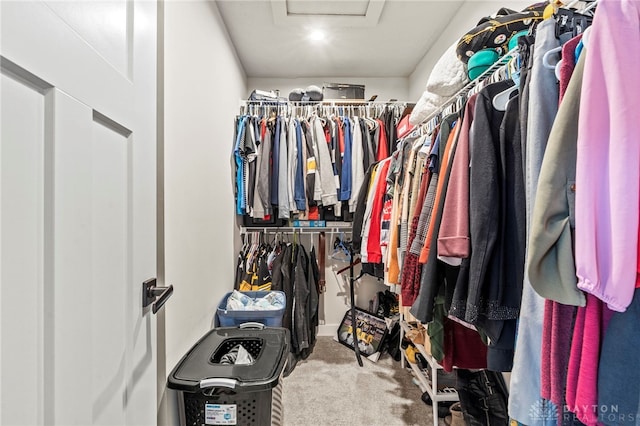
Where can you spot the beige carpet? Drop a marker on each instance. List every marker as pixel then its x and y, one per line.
pixel 320 391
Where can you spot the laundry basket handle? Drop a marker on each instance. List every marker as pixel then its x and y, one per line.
pixel 257 325
pixel 218 383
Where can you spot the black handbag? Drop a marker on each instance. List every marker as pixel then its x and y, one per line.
pixel 483 397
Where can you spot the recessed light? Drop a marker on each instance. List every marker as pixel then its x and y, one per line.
pixel 317 35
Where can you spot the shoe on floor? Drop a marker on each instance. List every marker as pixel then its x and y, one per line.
pixel 456 418
pixel 443 406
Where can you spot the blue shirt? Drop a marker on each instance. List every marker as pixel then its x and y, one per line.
pixel 240 199
pixel 345 181
pixel 433 158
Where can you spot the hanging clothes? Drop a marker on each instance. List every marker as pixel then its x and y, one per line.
pixel 357 163
pixel 541 109
pixel 374 228
pixel 284 194
pixel 619 387
pixel 254 274
pixel 453 237
pixel 411 267
pixel 262 198
pixel 607 219
pixel 551 264
pixel 430 284
pixel 413 173
pixel 306 166
pixel 422 212
pixel 296 274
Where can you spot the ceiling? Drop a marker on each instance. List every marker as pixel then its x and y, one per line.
pixel 364 38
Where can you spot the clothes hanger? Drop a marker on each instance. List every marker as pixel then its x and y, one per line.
pixel 340 251
pixel 585 36
pixel 547 56
pixel 245 244
pixel 574 21
pixel 501 100
pixel 590 7
pixel 512 72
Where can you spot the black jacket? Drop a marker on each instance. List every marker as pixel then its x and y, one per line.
pixel 498 225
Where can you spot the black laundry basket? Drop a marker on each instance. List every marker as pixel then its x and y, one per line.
pixel 211 393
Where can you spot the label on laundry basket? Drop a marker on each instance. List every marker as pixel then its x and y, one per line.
pixel 219 414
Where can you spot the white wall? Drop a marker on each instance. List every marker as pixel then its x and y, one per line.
pixel 203 82
pixel 386 88
pixel 467 18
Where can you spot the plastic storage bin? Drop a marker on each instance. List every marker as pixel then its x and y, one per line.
pixel 211 393
pixel 225 318
pixel 343 91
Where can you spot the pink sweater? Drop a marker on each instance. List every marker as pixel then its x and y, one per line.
pixel 608 161
pixel 453 238
pixel 582 375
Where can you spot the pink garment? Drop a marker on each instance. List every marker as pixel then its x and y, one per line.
pixel 638 262
pixel 582 376
pixel 545 358
pixel 453 237
pixel 608 160
pixel 560 349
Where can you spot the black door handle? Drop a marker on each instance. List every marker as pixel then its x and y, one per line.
pixel 155 296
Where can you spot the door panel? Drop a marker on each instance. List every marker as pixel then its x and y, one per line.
pixel 104 25
pixel 38 40
pixel 22 111
pixel 73 260
pixel 78 229
pixel 111 238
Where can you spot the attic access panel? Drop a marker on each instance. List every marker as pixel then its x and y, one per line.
pixel 353 13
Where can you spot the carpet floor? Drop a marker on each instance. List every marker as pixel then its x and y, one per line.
pixel 330 389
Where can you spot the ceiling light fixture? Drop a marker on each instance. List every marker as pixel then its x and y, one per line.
pixel 317 35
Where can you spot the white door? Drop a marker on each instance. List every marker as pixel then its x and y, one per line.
pixel 78 212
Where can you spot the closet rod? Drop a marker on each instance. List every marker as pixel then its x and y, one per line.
pixel 502 62
pixel 337 102
pixel 292 230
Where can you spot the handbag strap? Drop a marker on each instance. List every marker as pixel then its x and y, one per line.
pixel 322 261
pixel 354 318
